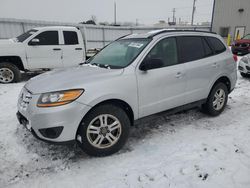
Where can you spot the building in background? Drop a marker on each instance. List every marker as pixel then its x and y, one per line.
pixel 231 17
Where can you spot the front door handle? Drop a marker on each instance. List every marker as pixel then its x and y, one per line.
pixel 57 49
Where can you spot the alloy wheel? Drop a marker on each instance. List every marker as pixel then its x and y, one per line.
pixel 104 131
pixel 219 99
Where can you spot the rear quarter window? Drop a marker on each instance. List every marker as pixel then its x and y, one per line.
pixel 216 44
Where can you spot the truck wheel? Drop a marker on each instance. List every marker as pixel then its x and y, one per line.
pixel 9 73
pixel 103 131
pixel 217 100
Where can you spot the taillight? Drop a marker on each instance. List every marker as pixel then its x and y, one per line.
pixel 235 58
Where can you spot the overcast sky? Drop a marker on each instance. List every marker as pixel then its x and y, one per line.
pixel 146 11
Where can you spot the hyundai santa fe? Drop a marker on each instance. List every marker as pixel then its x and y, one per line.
pixel 138 75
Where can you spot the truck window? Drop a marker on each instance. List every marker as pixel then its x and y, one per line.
pixel 70 37
pixel 48 38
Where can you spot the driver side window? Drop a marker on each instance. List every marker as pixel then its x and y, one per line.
pixel 166 51
pixel 48 38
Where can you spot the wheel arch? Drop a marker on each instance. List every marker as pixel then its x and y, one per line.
pixel 15 60
pixel 222 79
pixel 119 103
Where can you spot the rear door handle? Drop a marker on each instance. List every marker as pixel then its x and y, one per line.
pixel 57 49
pixel 78 48
pixel 215 65
pixel 178 75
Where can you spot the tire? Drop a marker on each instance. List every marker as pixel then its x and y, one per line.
pixel 214 110
pixel 244 75
pixel 9 73
pixel 96 140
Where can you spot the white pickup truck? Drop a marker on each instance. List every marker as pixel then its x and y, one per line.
pixel 40 48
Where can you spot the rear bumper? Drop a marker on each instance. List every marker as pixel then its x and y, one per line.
pixel 244 68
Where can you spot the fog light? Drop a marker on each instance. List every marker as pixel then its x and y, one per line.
pixel 52 133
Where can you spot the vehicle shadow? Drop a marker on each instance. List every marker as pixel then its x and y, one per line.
pixel 26 76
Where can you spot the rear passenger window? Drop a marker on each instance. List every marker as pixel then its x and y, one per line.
pixel 70 37
pixel 208 51
pixel 190 48
pixel 216 44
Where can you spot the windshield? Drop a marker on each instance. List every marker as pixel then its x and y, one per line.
pixel 119 54
pixel 26 35
pixel 247 37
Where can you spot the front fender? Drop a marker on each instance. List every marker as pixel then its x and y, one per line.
pixel 133 103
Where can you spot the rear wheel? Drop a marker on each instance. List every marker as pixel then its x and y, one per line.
pixel 9 73
pixel 217 100
pixel 104 130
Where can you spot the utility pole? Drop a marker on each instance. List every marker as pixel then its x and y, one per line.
pixel 114 13
pixel 194 9
pixel 174 20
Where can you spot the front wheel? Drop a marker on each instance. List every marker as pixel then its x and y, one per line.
pixel 9 73
pixel 217 100
pixel 104 130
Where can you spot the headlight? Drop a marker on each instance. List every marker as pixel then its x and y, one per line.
pixel 59 98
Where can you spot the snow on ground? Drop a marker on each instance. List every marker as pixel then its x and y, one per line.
pixel 188 149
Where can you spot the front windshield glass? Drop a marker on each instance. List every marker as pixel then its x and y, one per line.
pixel 247 37
pixel 26 35
pixel 119 54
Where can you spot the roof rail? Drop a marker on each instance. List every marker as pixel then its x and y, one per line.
pixel 123 36
pixel 177 30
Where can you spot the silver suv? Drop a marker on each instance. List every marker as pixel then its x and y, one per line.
pixel 138 75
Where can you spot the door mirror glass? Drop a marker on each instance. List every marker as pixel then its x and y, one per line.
pixel 34 42
pixel 151 64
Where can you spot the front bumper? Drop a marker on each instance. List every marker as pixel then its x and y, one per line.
pixel 54 124
pixel 240 50
pixel 244 68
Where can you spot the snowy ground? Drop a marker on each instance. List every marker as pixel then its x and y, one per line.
pixel 184 150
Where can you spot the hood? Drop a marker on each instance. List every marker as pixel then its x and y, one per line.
pixel 6 41
pixel 70 78
pixel 242 41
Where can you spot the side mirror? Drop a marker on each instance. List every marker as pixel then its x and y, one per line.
pixel 34 42
pixel 151 64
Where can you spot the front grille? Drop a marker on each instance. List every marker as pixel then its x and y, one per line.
pixel 240 68
pixel 25 98
pixel 242 45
